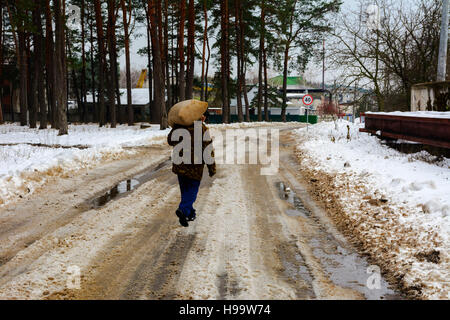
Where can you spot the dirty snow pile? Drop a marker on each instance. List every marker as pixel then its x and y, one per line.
pixel 29 156
pixel 396 205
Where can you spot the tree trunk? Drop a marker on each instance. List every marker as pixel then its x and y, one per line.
pixel 174 60
pixel 166 54
pixel 243 61
pixel 39 99
pixel 153 7
pixel 159 19
pixel 94 91
pixel 181 75
pixel 83 116
pixel 111 31
pixel 207 69
pixel 61 80
pixel 285 75
pixel 33 75
pixel 23 71
pixel 205 36
pixel 150 69
pixel 50 66
pixel 154 112
pixel 1 57
pixel 32 108
pixel 101 64
pixel 247 103
pixel 126 24
pixel 224 61
pixel 39 51
pixel 239 62
pixel 117 85
pixel 76 88
pixel 266 98
pixel 191 51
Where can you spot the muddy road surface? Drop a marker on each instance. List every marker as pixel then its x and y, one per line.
pixel 111 233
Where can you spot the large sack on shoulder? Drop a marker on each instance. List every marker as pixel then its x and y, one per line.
pixel 186 112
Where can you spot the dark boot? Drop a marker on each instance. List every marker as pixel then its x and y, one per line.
pixel 192 217
pixel 182 218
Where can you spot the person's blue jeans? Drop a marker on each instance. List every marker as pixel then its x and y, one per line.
pixel 189 191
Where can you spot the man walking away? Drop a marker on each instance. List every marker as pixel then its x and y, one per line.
pixel 190 174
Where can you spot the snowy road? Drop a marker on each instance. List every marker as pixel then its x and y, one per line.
pixel 256 237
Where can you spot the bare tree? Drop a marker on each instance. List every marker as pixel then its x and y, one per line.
pixel 401 51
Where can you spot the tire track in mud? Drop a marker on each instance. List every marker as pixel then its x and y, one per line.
pixel 338 270
pixel 243 245
pixel 42 214
pixel 146 263
pixel 283 259
pixel 235 252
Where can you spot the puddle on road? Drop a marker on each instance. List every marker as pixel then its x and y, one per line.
pixel 344 266
pixel 287 194
pixel 348 269
pixel 126 187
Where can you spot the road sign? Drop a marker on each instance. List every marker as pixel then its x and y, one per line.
pixel 308 100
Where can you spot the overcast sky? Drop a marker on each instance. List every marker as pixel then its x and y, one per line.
pixel 313 72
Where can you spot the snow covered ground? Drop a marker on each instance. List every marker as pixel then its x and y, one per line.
pixel 397 205
pixel 90 135
pixel 28 157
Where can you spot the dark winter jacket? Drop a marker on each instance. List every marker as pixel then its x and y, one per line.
pixel 192 171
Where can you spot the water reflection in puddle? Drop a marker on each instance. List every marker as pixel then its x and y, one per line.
pixel 287 194
pixel 121 188
pixel 342 264
pixel 127 186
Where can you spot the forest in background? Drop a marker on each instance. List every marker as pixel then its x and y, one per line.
pixel 53 49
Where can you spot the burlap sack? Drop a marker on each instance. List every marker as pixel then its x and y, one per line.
pixel 186 112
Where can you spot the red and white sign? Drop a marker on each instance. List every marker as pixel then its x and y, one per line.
pixel 308 100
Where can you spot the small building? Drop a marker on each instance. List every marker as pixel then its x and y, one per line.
pixel 140 104
pixel 431 96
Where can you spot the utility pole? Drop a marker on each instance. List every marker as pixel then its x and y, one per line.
pixel 442 65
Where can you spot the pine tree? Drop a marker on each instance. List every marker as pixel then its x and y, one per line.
pixel 61 73
pixel 299 25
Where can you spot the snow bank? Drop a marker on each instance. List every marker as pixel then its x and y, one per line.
pixel 28 157
pixel 398 204
pixel 81 135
